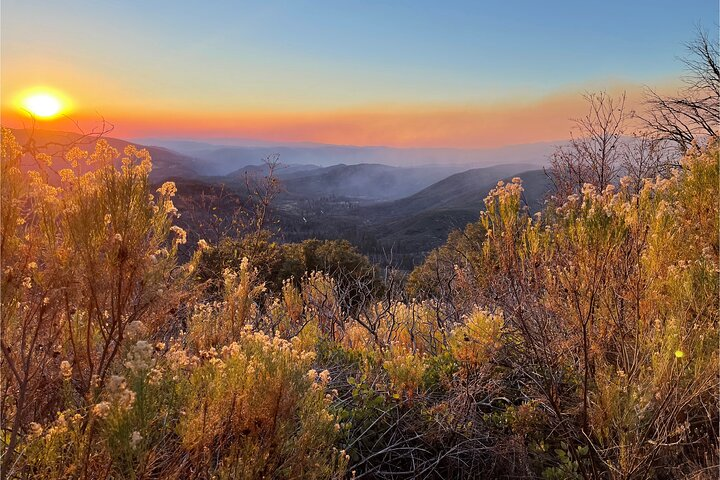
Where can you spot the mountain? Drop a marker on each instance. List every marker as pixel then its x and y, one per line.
pixel 421 222
pixel 411 226
pixel 459 191
pixel 167 164
pixel 222 159
pixel 281 171
pixel 364 181
pixel 359 182
pixel 408 210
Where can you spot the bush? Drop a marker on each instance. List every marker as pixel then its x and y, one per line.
pixel 577 343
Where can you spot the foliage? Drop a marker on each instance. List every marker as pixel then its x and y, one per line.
pixel 90 288
pixel 577 343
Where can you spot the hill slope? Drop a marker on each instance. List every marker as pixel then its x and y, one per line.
pixel 410 226
pixel 459 191
pixel 167 164
pixel 421 222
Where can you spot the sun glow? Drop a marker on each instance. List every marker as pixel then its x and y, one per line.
pixel 43 104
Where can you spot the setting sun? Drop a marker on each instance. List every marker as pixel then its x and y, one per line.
pixel 42 105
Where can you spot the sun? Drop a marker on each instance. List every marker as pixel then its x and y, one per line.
pixel 42 104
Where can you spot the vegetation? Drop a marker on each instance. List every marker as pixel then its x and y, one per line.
pixel 577 342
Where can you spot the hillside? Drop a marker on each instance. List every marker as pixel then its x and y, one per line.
pixel 458 191
pixel 364 181
pixel 410 226
pixel 415 225
pixel 167 164
pixel 282 171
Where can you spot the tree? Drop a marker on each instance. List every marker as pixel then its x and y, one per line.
pixel 240 209
pixel 603 149
pixel 692 115
pixel 593 154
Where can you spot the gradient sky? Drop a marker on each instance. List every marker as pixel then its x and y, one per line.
pixel 403 73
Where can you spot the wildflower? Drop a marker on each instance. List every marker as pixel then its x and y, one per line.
pixel 170 207
pixel 177 358
pixel 155 375
pixel 679 354
pixel 168 189
pixel 588 189
pixel 65 369
pixel 181 234
pixel 135 329
pixel 231 350
pixel 135 439
pixel 126 399
pixel 116 384
pixel 103 154
pixel 60 426
pixel 35 430
pixel 66 175
pixel 75 154
pixel 101 410
pixel 140 357
pixel 20 221
pixel 44 158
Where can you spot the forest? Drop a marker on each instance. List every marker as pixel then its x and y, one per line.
pixel 578 340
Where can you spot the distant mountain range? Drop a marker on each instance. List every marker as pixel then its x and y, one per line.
pixel 360 182
pixel 410 226
pixel 221 159
pixel 408 207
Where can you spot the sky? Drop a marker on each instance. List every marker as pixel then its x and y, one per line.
pixel 407 73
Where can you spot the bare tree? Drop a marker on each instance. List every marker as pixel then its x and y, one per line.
pixel 233 211
pixel 646 156
pixel 694 113
pixel 593 154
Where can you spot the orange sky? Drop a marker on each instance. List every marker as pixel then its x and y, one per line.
pixel 409 73
pixel 472 126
